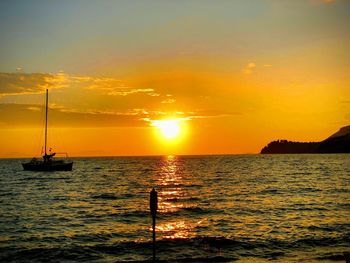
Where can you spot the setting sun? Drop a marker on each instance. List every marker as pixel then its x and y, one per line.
pixel 170 129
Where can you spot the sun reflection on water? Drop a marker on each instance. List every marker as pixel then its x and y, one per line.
pixel 171 198
pixel 169 182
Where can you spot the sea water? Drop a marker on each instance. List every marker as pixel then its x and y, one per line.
pixel 211 208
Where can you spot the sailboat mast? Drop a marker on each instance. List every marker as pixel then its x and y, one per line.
pixel 47 100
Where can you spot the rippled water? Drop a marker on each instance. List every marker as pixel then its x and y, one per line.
pixel 242 207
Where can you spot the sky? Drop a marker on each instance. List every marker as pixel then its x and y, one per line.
pixel 233 75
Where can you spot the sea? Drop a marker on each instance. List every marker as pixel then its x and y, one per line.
pixel 225 208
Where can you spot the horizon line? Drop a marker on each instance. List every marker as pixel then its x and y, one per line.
pixel 150 155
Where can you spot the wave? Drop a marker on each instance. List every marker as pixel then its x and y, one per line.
pixel 112 196
pixel 44 178
pixel 175 249
pixel 324 241
pixel 108 196
pixel 188 211
pixel 332 257
pixel 269 191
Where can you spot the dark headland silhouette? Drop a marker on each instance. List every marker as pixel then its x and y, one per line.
pixel 339 142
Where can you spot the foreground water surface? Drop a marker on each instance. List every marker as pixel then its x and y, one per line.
pixel 211 208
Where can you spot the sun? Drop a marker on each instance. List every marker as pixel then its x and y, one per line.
pixel 169 129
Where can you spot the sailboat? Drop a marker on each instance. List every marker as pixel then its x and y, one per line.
pixel 48 163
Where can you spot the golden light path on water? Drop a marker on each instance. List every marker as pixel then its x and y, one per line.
pixel 171 194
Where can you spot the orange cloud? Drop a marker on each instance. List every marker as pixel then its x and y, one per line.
pixel 24 115
pixel 31 83
pixel 22 83
pixel 249 68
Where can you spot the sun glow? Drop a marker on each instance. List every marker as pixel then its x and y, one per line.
pixel 169 130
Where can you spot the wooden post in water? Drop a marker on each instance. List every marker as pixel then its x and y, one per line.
pixel 153 204
pixel 347 257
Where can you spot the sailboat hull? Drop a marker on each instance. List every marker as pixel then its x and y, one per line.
pixel 48 166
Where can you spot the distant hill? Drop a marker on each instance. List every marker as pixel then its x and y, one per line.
pixel 339 142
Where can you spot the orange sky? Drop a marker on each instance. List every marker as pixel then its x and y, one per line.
pixel 237 74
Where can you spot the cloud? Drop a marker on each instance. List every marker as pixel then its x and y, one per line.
pixel 212 113
pixel 188 116
pixel 249 68
pixel 251 65
pixel 34 108
pixel 19 83
pixel 109 86
pixel 88 101
pixel 322 1
pixel 32 115
pixel 168 101
pixel 23 83
pixel 122 91
pixel 26 115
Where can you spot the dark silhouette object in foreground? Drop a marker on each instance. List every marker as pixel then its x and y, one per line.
pixel 48 163
pixel 153 204
pixel 337 143
pixel 347 257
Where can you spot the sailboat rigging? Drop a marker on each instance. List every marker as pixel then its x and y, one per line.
pixel 48 163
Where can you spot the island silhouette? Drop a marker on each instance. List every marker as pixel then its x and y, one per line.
pixel 339 142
